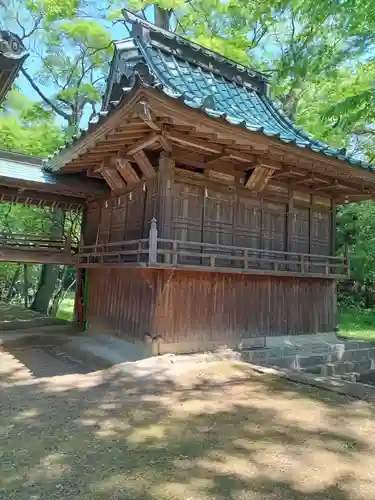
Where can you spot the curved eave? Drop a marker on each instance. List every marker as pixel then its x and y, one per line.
pixel 122 110
pixel 9 69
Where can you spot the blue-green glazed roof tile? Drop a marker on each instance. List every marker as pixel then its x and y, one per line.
pixel 197 76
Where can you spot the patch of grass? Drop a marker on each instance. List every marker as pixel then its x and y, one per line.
pixel 357 323
pixel 66 308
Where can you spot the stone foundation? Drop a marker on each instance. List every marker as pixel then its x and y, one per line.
pixel 325 355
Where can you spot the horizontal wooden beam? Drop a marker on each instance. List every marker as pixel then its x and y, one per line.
pixel 36 256
pixel 192 142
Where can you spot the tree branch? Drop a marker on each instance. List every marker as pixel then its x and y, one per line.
pixel 57 110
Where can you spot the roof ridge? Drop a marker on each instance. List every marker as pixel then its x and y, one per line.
pixel 133 19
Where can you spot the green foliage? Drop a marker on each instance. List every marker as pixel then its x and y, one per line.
pixel 358 323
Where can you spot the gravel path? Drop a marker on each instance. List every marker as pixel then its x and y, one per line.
pixel 158 430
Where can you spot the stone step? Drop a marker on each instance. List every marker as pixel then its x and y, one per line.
pixel 330 369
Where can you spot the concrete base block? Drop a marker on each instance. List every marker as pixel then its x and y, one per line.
pixel 300 340
pixel 106 350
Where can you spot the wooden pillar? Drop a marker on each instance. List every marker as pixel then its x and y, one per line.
pixel 165 205
pixel 333 228
pixel 79 298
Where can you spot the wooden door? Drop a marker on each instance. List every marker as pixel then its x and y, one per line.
pixel 247 229
pixel 105 222
pixel 300 241
pixel 320 237
pixel 218 224
pixel 91 223
pixel 135 202
pixel 118 221
pixel 273 233
pixel 187 219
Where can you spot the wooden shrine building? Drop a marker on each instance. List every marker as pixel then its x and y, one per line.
pixel 220 223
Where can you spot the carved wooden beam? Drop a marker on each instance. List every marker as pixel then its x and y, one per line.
pixel 114 180
pixel 143 111
pixel 143 143
pixel 144 164
pixel 259 178
pixel 111 176
pixel 165 143
pixel 126 171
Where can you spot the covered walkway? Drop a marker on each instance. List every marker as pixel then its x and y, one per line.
pixel 24 181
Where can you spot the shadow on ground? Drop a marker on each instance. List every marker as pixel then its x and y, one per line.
pixel 118 435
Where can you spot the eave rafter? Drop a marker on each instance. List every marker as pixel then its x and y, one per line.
pixel 125 154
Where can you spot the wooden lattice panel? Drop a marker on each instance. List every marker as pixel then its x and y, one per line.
pixel 105 223
pixel 218 222
pixel 248 223
pixel 187 215
pixel 321 233
pixel 300 230
pixel 135 214
pixel 273 226
pixel 119 210
pixel 91 223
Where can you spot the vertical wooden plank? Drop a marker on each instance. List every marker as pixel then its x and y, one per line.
pixel 187 216
pixel 289 228
pixel 310 228
pixel 333 228
pixel 165 205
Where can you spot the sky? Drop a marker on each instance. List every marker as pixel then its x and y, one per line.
pixel 33 63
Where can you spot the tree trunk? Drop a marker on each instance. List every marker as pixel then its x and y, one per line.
pixel 56 300
pixel 50 272
pixel 25 286
pixel 46 287
pixel 15 278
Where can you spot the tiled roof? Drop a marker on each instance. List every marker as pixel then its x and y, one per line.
pixel 16 167
pixel 203 80
pixel 12 55
pixel 22 167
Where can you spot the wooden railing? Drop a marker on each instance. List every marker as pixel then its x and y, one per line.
pixel 34 242
pixel 154 251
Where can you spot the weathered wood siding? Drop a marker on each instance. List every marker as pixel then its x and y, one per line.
pixel 119 301
pixel 208 306
pixel 91 221
pixel 212 214
pixel 201 306
pixel 215 215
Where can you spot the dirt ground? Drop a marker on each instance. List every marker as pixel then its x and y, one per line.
pixel 193 431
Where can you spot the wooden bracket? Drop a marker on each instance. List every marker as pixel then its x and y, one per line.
pixel 144 164
pixel 259 178
pixel 143 111
pixel 126 171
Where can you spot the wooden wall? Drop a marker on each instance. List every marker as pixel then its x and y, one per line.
pixel 119 301
pixel 126 217
pixel 199 306
pixel 213 306
pixel 212 213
